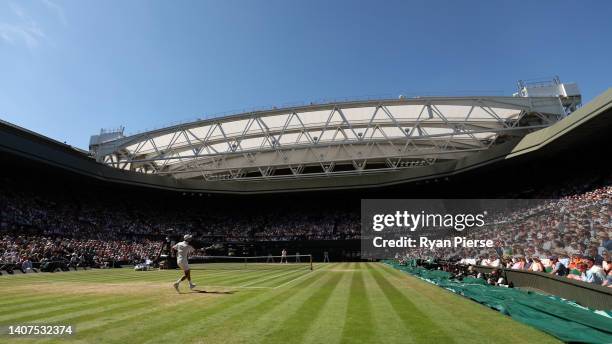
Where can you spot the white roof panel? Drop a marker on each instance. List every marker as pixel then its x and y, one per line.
pixel 425 119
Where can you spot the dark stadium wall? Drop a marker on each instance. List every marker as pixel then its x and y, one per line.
pixel 585 294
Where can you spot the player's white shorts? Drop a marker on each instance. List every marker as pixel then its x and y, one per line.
pixel 183 264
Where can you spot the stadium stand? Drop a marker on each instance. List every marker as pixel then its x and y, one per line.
pixel 568 236
pixel 52 226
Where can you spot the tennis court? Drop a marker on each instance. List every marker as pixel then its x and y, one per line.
pixel 333 303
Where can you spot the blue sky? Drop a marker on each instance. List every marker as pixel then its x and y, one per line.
pixel 69 68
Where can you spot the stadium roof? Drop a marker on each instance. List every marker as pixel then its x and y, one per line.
pixel 588 125
pixel 344 138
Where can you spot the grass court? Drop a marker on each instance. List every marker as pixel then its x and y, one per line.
pixel 335 303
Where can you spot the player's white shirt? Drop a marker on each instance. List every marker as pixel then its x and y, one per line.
pixel 183 250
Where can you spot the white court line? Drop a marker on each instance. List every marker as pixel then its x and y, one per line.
pixel 214 275
pixel 246 286
pixel 217 272
pixel 297 278
pixel 232 286
pixel 209 272
pixel 269 278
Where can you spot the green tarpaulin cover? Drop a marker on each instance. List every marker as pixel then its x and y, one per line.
pixel 560 318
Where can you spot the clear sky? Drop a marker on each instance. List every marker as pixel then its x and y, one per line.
pixel 69 68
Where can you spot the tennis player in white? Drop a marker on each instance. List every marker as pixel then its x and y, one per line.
pixel 183 250
pixel 284 256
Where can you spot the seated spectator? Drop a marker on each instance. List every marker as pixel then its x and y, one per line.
pixel 608 281
pixel 595 275
pixel 496 278
pixel 519 264
pixel 26 266
pixel 580 274
pixel 536 265
pixel 606 262
pixel 559 269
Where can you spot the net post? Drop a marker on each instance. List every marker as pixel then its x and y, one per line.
pixel 310 256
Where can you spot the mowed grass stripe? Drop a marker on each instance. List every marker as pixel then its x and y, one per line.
pixel 106 310
pixel 341 266
pixel 197 316
pixel 58 308
pixel 198 276
pixel 418 323
pixel 169 275
pixel 242 316
pixel 53 303
pixel 237 317
pixel 295 325
pixel 278 308
pixel 94 313
pixel 26 304
pixel 446 305
pixel 123 275
pixel 119 275
pixel 291 282
pixel 333 312
pixel 225 273
pixel 280 280
pixel 269 279
pixel 131 317
pixel 259 276
pixel 240 277
pixel 81 278
pixel 438 301
pixel 139 327
pixel 229 282
pixel 278 275
pixel 217 274
pixel 385 323
pixel 40 275
pixel 10 292
pixel 25 297
pixel 65 275
pixel 358 322
pixel 158 315
pixel 135 318
pixel 203 277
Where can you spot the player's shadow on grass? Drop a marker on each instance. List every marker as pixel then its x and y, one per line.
pixel 212 292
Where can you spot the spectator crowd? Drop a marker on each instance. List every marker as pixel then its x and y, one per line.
pixel 87 230
pixel 570 236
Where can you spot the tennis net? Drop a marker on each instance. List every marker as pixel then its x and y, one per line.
pixel 289 262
